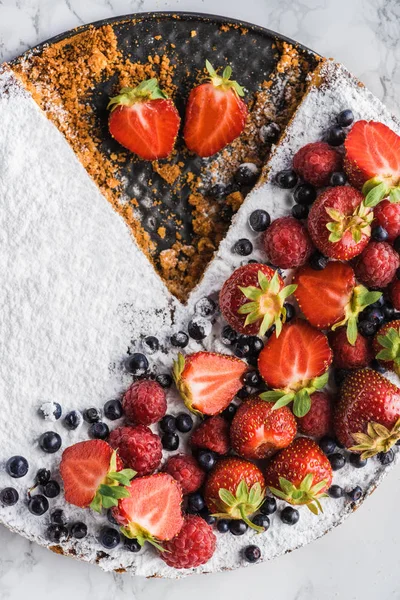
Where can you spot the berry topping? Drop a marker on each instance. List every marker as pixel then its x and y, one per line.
pixel 139 448
pixel 387 215
pixel 287 243
pixel 144 402
pixel 318 421
pixel 9 496
pixel 316 162
pixel 137 364
pixel 299 211
pixel 109 537
pixel 286 179
pixel 335 491
pixel 184 422
pixel 305 194
pixel 336 136
pixel 207 460
pixel 252 554
pixel 355 494
pixel 50 411
pixel 327 445
pixel 51 489
pixel 57 516
pixel 73 420
pixel 243 247
pixel 150 344
pixel 99 431
pixel 379 234
pixel 113 410
pixel 165 380
pixel 269 133
pixel 168 424
pixel 212 434
pixel 247 174
pixel 345 118
pixel 347 356
pixel 337 179
pixel 185 469
pixel 56 533
pixel 205 307
pixel 259 220
pixel 38 505
pixel 170 441
pixel 17 466
pixel 268 507
pixel 289 515
pixel 180 339
pixel 50 442
pixel 199 328
pixel 92 415
pixel 79 530
pixel 377 265
pixel 337 461
pixel 193 546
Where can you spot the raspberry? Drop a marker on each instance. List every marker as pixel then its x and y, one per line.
pixel 377 265
pixel 316 162
pixel 287 243
pixel 346 356
pixel 186 471
pixel 394 294
pixel 387 214
pixel 193 546
pixel 139 448
pixel 318 421
pixel 212 434
pixel 144 402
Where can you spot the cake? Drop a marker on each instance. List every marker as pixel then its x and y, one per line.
pixel 80 299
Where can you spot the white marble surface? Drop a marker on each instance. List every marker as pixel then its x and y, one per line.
pixel 357 561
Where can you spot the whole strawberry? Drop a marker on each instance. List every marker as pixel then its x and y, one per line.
pixel 300 474
pixel 287 243
pixel 252 299
pixel 339 224
pixel 139 448
pixel 318 421
pixel 394 294
pixel 187 472
pixel 145 402
pixel 258 431
pixel 144 120
pixel 386 346
pixel 367 417
pixel 193 546
pixel 377 265
pixel 387 215
pixel 235 489
pixel 212 434
pixel 348 356
pixel 316 162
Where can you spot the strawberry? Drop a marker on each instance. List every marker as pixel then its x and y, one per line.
pixel 316 162
pixel 295 365
pixel 152 511
pixel 330 298
pixel 93 475
pixel 208 381
pixel 346 356
pixel 215 113
pixel 386 346
pixel 235 489
pixel 339 224
pixel 144 120
pixel 258 431
pixel 318 421
pixel 252 299
pixel 372 161
pixel 387 215
pixel 300 474
pixel 212 434
pixel 368 413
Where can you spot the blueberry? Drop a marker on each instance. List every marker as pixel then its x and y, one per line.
pixel 268 507
pixel 247 174
pixel 345 118
pixel 318 261
pixel 385 458
pixel 374 315
pixel 50 411
pixel 261 521
pixel 367 328
pixel 205 307
pixel 57 516
pixel 336 136
pixel 168 424
pixel 51 489
pixel 252 553
pixel 206 460
pixel 17 466
pixel 9 496
pixel 380 303
pixel 356 461
pixel 137 364
pixel 132 545
pixel 290 311
pixel 79 530
pixel 109 537
pixel 255 344
pixel 170 441
pixel 376 366
pixel 50 442
pixel 379 234
pixel 253 379
pixel 286 179
pixel 259 220
pixel 335 491
pixel 199 328
pixel 337 178
pixel 340 375
pixel 242 348
pixel 38 505
pixel 219 191
pixel 305 194
pixel 269 133
pixel 229 336
pixel 184 422
pixel 237 527
pixel 244 392
pixel 289 515
pixel 92 415
pixel 243 247
pixel 396 244
pixel 223 525
pixel 72 420
pixel 337 461
pixel 150 344
pixel 99 431
pixel 229 412
pixel 180 339
pixel 113 409
pixel 205 514
pixel 56 533
pixel 388 312
pixel 165 380
pixel 195 502
pixel 327 445
pixel 355 494
pixel 300 211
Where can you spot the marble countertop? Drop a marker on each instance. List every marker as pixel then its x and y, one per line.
pixel 358 560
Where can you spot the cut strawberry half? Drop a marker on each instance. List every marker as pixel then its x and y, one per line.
pixel 330 298
pixel 144 120
pixel 373 161
pixel 152 511
pixel 93 476
pixel 295 365
pixel 208 381
pixel 215 113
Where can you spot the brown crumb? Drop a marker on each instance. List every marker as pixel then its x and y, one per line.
pixel 193 33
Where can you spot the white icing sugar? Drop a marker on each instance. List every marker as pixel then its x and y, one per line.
pixel 75 291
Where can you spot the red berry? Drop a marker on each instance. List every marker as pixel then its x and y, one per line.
pixel 394 293
pixel 318 421
pixel 316 162
pixel 145 402
pixel 212 434
pixel 387 214
pixel 287 243
pixel 193 546
pixel 377 265
pixel 386 346
pixel 347 356
pixel 185 469
pixel 139 448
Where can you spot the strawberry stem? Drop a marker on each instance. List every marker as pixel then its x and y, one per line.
pixel 224 82
pixel 377 439
pixel 146 90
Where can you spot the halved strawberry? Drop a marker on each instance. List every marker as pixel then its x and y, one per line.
pixel 295 365
pixel 215 113
pixel 208 381
pixel 330 298
pixel 144 120
pixel 373 161
pixel 93 475
pixel 152 511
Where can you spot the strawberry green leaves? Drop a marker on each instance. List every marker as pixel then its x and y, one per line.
pixel 360 299
pixel 133 531
pixel 358 224
pixel 225 81
pixel 243 503
pixel 390 344
pixel 306 493
pixel 146 90
pixel 300 398
pixel 377 439
pixel 113 488
pixel 376 190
